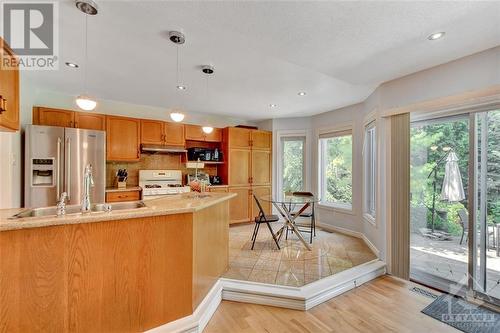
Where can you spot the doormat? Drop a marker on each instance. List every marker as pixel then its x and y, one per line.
pixel 462 315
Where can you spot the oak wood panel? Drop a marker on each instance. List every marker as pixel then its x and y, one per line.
pixel 215 136
pixel 194 132
pixel 260 192
pixel 116 276
pixel 9 89
pixel 123 196
pixel 174 134
pixel 240 206
pixel 91 121
pixel 53 117
pixel 210 248
pixel 382 305
pixel 238 137
pixel 239 167
pixel 218 189
pixel 122 138
pixel 261 140
pixel 152 132
pixel 261 167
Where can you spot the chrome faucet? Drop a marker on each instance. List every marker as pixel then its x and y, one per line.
pixel 61 204
pixel 88 182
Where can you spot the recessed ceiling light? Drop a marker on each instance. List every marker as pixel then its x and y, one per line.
pixel 272 105
pixel 72 65
pixel 436 35
pixel 181 87
pixel 301 93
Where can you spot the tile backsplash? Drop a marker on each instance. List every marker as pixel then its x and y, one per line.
pixel 149 162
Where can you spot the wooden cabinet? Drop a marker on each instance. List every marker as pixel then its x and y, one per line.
pixel 249 166
pixel 123 196
pixel 240 206
pixel 53 117
pixel 122 138
pixel 261 167
pixel 152 132
pixel 261 192
pixel 240 167
pixel 195 133
pixel 238 137
pixel 174 134
pixel 67 118
pixel 9 90
pixel 91 121
pixel 261 140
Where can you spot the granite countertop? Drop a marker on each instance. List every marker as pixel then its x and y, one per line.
pixel 123 189
pixel 173 204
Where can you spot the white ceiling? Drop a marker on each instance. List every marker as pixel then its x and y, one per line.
pixel 263 52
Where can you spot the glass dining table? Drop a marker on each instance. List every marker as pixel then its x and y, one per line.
pixel 290 206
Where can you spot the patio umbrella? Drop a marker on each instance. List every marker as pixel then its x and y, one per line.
pixel 453 189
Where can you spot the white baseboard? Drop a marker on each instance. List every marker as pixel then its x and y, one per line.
pixel 306 297
pixel 353 233
pixel 196 322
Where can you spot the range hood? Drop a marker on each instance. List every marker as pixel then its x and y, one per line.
pixel 160 149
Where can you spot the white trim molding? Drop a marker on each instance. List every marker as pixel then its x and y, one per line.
pixel 349 232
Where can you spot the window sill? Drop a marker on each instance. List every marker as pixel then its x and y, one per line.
pixel 342 209
pixel 370 219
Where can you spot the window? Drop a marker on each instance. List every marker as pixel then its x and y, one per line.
pixel 335 154
pixel 370 169
pixel 292 164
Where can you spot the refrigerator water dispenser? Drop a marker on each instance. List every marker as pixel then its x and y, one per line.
pixel 43 173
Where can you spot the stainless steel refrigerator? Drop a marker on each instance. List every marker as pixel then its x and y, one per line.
pixel 55 159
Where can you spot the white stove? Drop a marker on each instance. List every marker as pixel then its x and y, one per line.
pixel 158 183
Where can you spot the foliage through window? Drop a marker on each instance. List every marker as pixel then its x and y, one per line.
pixel 336 169
pixel 292 164
pixel 370 162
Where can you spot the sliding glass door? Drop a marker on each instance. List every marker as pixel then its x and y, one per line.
pixel 439 161
pixel 486 250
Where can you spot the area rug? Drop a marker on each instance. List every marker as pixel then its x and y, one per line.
pixel 462 315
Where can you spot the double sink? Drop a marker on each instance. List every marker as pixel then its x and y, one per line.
pixel 76 209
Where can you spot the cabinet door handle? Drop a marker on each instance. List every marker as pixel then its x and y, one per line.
pixel 3 104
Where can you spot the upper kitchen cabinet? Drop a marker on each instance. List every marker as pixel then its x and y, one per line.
pixel 195 133
pixel 152 132
pixel 67 118
pixel 237 137
pixel 174 134
pixel 9 90
pixel 91 121
pixel 123 136
pixel 261 140
pixel 53 117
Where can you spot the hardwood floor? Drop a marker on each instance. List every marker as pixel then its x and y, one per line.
pixel 383 305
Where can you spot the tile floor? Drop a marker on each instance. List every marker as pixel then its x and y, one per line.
pixel 294 265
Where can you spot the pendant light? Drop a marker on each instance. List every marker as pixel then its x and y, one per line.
pixel 177 38
pixel 84 101
pixel 208 70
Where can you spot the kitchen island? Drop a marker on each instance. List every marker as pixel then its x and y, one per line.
pixel 127 270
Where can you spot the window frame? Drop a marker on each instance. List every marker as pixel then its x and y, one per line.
pixel 279 158
pixel 343 130
pixel 370 172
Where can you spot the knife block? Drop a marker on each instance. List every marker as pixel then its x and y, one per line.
pixel 121 184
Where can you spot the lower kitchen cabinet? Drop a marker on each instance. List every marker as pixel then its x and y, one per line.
pixel 240 206
pixel 261 192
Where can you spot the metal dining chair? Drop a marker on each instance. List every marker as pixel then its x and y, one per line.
pixel 263 218
pixel 311 228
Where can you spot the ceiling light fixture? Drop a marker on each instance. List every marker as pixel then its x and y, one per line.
pixel 181 87
pixel 207 129
pixel 436 35
pixel 84 101
pixel 72 65
pixel 272 105
pixel 301 93
pixel 177 116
